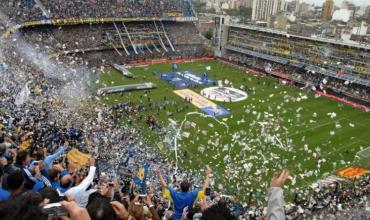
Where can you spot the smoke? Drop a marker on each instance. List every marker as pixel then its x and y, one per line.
pixel 28 64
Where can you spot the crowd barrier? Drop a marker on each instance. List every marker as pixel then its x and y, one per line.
pixel 159 61
pixel 336 98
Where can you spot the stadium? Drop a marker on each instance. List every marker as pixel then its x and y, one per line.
pixel 113 105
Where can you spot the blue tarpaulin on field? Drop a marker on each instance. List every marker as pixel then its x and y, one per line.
pixel 184 79
pixel 216 111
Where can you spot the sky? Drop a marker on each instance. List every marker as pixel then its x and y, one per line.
pixel 337 2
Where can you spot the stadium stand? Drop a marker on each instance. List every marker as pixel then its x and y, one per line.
pixel 34 10
pixel 36 135
pixel 344 69
pixel 119 41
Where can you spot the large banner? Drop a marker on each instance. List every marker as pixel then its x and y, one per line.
pixel 201 102
pixel 126 88
pixel 184 79
pixel 195 99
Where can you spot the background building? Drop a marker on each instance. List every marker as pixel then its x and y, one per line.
pixel 367 14
pixel 304 8
pixel 292 6
pixel 327 10
pixel 247 3
pixel 263 9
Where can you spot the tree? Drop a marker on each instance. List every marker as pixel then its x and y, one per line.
pixel 208 35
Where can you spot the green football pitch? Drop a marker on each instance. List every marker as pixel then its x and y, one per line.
pixel 278 126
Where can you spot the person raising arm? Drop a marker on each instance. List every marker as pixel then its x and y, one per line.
pixel 206 180
pixel 161 180
pixel 184 198
pixel 275 207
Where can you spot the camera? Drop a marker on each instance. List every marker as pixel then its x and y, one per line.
pixel 55 210
pixel 208 191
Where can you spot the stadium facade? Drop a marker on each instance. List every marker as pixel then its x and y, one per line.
pixel 100 35
pixel 296 58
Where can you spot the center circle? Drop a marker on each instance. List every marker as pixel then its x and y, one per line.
pixel 224 94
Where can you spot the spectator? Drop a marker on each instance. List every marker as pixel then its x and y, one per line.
pixel 217 212
pixel 184 198
pixel 24 207
pixel 22 161
pixel 16 182
pixel 275 209
pixel 81 192
pixel 4 195
pixel 75 212
pixel 49 159
pixel 235 207
pixel 99 207
pixel 120 210
pixel 51 194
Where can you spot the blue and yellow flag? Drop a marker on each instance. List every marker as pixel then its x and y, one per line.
pixel 140 178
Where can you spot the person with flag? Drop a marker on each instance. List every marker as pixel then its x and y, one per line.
pixel 129 155
pixel 140 178
pixel 185 198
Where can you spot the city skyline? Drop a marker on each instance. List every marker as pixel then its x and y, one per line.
pixel 337 2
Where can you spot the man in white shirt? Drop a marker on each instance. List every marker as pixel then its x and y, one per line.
pixel 79 192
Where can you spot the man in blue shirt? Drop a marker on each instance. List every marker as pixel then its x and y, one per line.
pixel 184 198
pixel 4 195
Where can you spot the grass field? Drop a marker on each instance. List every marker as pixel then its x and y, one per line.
pixel 277 126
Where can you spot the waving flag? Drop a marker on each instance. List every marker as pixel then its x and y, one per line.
pixel 129 155
pixel 140 178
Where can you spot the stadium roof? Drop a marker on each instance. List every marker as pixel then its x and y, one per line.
pixel 259 55
pixel 286 34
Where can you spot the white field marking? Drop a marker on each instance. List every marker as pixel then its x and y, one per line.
pixel 345 146
pixel 355 122
pixel 314 127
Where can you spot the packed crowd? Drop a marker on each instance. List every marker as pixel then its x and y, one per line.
pixel 37 184
pixel 35 171
pixel 302 50
pixel 46 111
pixel 20 11
pixel 102 45
pixel 309 79
pixel 108 8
